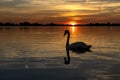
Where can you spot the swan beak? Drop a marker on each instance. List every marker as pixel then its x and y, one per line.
pixel 64 34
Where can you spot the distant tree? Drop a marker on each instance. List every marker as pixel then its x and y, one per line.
pixel 36 24
pixel 8 24
pixel 108 24
pixel 1 24
pixel 51 24
pixel 25 24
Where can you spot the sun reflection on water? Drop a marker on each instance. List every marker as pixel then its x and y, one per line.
pixel 73 29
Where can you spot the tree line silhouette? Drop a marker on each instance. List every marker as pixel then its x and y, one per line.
pixel 54 24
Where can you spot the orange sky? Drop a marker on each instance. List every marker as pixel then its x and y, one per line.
pixel 60 11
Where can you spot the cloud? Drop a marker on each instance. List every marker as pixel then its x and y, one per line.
pixel 12 3
pixel 104 1
pixel 76 1
pixel 5 0
pixel 36 10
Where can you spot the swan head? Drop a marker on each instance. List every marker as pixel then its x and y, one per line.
pixel 66 32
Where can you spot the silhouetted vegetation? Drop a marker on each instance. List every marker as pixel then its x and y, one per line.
pixel 53 24
pixel 103 24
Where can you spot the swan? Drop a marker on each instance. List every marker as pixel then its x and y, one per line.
pixel 79 47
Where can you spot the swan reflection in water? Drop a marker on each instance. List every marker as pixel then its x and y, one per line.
pixel 77 47
pixel 67 59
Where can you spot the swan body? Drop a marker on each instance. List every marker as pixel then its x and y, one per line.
pixel 77 46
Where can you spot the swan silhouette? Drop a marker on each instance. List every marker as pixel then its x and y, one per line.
pixel 67 59
pixel 78 47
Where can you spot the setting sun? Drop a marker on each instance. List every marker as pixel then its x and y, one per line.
pixel 72 23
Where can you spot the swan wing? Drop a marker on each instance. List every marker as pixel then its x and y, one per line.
pixel 79 45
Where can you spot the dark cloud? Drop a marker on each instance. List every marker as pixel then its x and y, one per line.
pixel 92 1
pixel 105 1
pixel 75 1
pixel 13 3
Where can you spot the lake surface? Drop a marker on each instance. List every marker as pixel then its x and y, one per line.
pixel 38 53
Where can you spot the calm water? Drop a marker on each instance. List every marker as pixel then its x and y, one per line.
pixel 44 48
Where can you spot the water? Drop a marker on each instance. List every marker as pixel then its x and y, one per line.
pixel 43 48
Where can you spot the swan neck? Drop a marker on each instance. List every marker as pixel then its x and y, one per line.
pixel 68 37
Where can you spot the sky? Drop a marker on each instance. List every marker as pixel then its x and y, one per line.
pixel 60 11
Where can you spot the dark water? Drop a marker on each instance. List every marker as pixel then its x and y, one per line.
pixel 40 52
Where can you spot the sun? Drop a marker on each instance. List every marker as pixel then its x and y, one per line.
pixel 73 23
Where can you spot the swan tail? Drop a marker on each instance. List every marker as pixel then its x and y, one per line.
pixel 88 47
